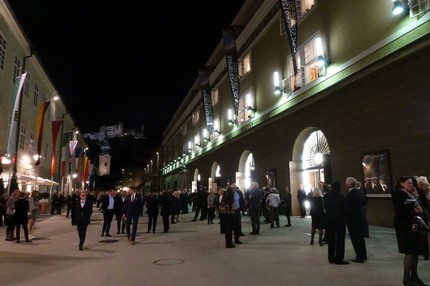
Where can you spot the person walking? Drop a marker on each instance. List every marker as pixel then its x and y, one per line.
pixel 10 209
pixel 405 205
pixel 132 208
pixel 108 210
pixel 119 210
pixel 254 197
pixel 153 205
pixel 227 200
pixel 83 211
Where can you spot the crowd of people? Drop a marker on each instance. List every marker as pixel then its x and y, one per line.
pixel 333 214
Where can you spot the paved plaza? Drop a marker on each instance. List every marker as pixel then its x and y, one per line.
pixel 193 253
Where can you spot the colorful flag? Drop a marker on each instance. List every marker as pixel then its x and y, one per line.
pixel 289 11
pixel 232 66
pixel 63 160
pixel 56 125
pixel 39 130
pixel 13 127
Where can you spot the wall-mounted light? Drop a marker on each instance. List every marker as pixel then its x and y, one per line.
pixel 205 135
pixel 251 111
pixel 399 8
pixel 190 146
pixel 322 61
pixel 278 90
pixel 231 117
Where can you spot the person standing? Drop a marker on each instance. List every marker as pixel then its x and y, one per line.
pixel 405 205
pixel 228 218
pixel 273 201
pixel 132 208
pixel 301 197
pixel 354 219
pixel 34 212
pixel 20 216
pixel 10 209
pixel 239 201
pixel 211 200
pixel 335 206
pixel 165 202
pixel 287 205
pixel 83 211
pixel 317 215
pixel 108 209
pixel 254 197
pixel 75 201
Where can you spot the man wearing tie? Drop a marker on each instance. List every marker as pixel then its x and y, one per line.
pixel 132 208
pixel 108 208
pixel 83 211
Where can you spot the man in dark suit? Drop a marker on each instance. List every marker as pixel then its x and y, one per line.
pixel 133 205
pixel 108 209
pixel 83 210
pixel 354 219
pixel 119 210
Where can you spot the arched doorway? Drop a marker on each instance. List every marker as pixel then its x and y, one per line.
pixel 246 170
pixel 311 162
pixel 196 181
pixel 214 180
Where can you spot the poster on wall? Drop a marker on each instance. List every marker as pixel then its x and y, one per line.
pixel 377 174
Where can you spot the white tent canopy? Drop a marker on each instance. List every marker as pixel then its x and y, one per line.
pixel 30 180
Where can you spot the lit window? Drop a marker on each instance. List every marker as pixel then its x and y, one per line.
pixel 307 72
pixel 245 65
pixel 214 96
pixel 31 143
pixel 304 6
pixel 195 117
pixel 2 51
pixel 26 87
pixel 246 102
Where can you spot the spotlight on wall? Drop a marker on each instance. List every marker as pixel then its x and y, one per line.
pixel 251 110
pixel 399 8
pixel 278 90
pixel 322 65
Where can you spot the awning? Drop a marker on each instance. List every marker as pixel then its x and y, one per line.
pixel 30 180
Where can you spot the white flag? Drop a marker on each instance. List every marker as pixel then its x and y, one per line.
pixel 13 127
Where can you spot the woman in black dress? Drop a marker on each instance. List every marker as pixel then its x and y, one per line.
pixel 409 242
pixel 317 215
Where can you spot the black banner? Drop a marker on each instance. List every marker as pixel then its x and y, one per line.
pixel 207 99
pixel 232 66
pixel 289 11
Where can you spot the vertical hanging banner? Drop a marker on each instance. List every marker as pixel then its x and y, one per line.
pixel 56 125
pixel 39 130
pixel 207 99
pixel 78 152
pixel 289 11
pixel 232 66
pixel 13 126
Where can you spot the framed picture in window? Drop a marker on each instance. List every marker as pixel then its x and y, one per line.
pixel 271 178
pixel 377 174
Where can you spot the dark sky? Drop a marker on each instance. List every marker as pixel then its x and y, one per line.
pixel 129 61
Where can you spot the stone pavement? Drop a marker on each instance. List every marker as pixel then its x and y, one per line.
pixel 193 253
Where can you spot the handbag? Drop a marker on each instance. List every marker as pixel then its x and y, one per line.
pixel 419 225
pixel 223 208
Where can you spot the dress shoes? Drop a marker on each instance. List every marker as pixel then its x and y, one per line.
pixel 288 225
pixel 341 262
pixel 356 260
pixel 81 248
pixel 108 235
pixel 237 242
pixel 132 242
pixel 230 246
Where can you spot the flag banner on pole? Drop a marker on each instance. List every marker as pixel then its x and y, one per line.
pixel 78 152
pixel 85 169
pixel 207 99
pixel 13 126
pixel 232 66
pixel 56 125
pixel 63 160
pixel 39 130
pixel 289 12
pixel 72 146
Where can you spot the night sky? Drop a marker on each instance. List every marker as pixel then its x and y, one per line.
pixel 124 61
